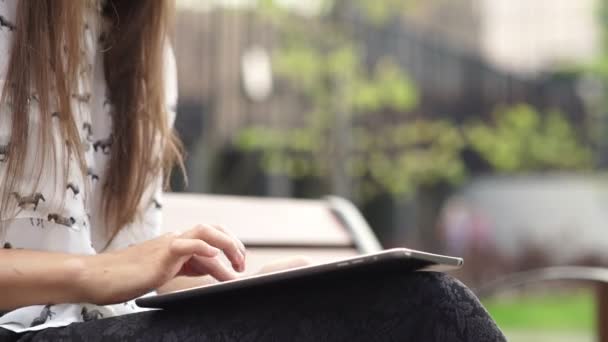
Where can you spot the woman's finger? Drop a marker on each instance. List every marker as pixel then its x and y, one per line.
pixel 221 240
pixel 182 247
pixel 212 267
pixel 231 234
pixel 241 245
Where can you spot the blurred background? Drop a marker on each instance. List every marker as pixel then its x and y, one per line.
pixel 476 128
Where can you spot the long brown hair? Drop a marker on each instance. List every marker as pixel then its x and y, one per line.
pixel 46 60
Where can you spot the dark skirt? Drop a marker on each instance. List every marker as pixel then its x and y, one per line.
pixel 390 307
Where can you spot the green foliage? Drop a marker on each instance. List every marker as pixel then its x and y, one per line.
pixel 553 311
pixel 523 140
pixel 326 67
pixel 386 149
pixel 388 87
pixel 596 99
pixel 392 158
pixel 603 21
pixel 287 151
pixel 402 157
pixel 379 12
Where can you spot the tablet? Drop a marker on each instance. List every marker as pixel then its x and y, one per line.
pixel 392 260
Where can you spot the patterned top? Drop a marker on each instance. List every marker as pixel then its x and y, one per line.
pixel 59 217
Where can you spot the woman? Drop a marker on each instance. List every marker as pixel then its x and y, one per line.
pixel 88 89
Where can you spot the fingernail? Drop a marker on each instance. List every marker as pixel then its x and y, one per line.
pixel 238 267
pixel 214 251
pixel 241 262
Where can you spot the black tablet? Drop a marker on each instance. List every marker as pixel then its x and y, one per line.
pixel 392 260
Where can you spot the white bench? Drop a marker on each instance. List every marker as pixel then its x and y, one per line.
pixel 273 228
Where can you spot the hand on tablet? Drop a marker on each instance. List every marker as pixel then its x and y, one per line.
pixel 218 237
pixel 125 274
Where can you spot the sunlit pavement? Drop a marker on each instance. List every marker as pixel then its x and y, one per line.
pixel 548 336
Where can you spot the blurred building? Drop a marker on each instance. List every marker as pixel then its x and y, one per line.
pixel 559 216
pixel 225 85
pixel 465 56
pixel 522 36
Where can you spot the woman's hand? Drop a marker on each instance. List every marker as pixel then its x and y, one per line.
pixel 182 283
pixel 129 273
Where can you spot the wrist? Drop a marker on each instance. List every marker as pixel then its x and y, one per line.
pixel 88 275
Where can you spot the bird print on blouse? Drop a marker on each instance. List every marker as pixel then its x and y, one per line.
pixel 88 129
pixel 33 98
pixel 6 24
pixel 62 220
pixel 88 138
pixel 104 145
pixel 29 201
pixel 90 314
pixel 82 98
pixel 4 151
pixel 91 173
pixel 156 203
pixel 44 316
pixel 74 188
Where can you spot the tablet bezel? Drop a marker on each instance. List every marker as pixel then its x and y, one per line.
pixel 427 262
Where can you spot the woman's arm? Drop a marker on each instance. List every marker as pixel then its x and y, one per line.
pixel 31 277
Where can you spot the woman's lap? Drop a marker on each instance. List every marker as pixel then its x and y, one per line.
pixel 417 306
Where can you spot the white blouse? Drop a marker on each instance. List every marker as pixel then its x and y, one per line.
pixel 59 217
